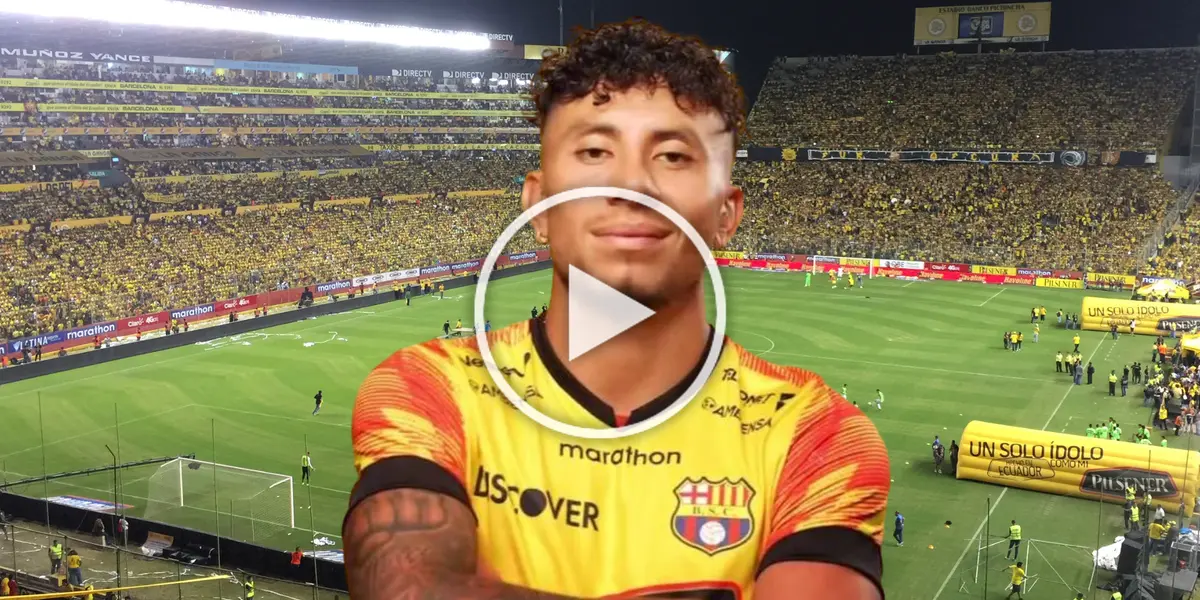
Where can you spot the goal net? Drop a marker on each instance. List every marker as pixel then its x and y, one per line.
pixel 1063 569
pixel 250 503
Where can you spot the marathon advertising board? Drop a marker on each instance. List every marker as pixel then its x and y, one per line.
pixel 56 339
pixel 146 323
pixel 824 259
pixel 41 53
pixel 518 259
pixel 333 287
pixel 192 313
pixel 772 256
pixel 1146 279
pixel 470 266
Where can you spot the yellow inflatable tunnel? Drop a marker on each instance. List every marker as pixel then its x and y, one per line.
pixel 1073 465
pixel 1153 318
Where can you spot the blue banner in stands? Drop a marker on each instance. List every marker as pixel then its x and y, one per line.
pixel 80 334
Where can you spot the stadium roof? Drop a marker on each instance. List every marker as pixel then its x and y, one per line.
pixel 95 36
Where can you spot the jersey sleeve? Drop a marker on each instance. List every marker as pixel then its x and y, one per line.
pixel 831 496
pixel 408 430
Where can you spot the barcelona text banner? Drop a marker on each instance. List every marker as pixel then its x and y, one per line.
pixel 236 110
pixel 232 131
pixel 134 86
pixel 998 23
pixel 1151 318
pixel 1073 465
pixel 50 185
pixel 973 156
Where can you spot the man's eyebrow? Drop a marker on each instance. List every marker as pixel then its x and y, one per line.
pixel 590 127
pixel 658 135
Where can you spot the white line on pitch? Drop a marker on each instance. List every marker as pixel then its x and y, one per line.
pixel 982 523
pixel 992 296
pixel 907 284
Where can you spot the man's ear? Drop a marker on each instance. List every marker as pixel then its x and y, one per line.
pixel 531 194
pixel 729 216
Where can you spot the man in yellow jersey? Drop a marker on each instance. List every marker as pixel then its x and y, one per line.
pixel 1018 578
pixel 768 485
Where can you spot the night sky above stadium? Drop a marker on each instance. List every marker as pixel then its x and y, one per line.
pixel 762 29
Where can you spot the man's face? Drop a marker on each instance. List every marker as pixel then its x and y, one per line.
pixel 640 140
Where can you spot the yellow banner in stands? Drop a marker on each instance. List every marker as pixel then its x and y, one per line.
pixel 49 185
pixel 12 107
pixel 729 254
pixel 262 176
pixel 230 131
pixel 1109 278
pixel 1153 318
pixel 410 147
pixel 164 198
pixel 132 86
pixel 234 110
pixel 115 108
pixel 990 270
pixel 96 153
pixel 1054 282
pixel 1073 465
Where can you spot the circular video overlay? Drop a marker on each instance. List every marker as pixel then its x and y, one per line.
pixel 710 361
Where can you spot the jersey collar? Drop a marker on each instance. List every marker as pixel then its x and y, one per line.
pixel 593 404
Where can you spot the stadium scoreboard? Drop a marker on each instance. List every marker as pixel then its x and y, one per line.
pixel 998 23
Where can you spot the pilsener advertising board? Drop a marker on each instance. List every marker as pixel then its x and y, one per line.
pixel 1073 465
pixel 1010 22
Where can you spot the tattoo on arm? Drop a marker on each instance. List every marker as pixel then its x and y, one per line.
pixel 412 544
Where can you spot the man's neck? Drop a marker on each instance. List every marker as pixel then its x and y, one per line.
pixel 643 362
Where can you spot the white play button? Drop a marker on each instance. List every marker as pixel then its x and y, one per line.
pixel 597 313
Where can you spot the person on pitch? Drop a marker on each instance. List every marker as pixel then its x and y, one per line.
pixel 461 496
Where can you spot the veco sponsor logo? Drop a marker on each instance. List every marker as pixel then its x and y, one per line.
pixel 92 331
pixel 334 286
pixel 989 270
pixel 195 311
pixel 902 264
pixel 1072 284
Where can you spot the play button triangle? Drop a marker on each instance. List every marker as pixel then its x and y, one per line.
pixel 597 313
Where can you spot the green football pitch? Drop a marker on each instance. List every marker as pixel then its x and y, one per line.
pixel 934 348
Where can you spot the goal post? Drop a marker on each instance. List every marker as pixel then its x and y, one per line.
pixel 188 491
pixel 1045 562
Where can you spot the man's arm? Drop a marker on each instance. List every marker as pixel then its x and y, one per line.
pixel 409 544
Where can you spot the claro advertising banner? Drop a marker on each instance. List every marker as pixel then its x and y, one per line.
pixel 1073 465
pixel 1152 318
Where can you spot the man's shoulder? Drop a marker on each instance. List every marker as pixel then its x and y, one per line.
pixel 455 354
pixel 757 376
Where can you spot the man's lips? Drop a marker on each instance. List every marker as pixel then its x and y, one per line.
pixel 632 236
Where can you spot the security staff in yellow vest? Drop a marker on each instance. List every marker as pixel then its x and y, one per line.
pixel 56 556
pixel 1058 362
pixel 1112 383
pixel 1116 595
pixel 1130 493
pixel 249 585
pixel 1134 518
pixel 1014 541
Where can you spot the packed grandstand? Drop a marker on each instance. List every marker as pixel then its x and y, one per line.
pixel 129 188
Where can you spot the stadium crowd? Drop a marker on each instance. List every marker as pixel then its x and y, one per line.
pixel 1017 215
pixel 71 277
pixel 1118 100
pixel 1179 254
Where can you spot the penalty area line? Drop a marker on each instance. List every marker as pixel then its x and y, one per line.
pixel 993 296
pixel 1004 491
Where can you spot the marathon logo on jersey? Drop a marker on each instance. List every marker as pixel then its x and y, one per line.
pixel 534 502
pixel 1113 482
pixel 334 286
pixel 92 330
pixel 771 256
pixel 627 456
pixel 1035 272
pixel 193 312
pixel 713 516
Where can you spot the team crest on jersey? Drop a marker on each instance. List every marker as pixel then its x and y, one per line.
pixel 713 516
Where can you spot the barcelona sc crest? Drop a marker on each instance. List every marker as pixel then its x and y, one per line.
pixel 713 516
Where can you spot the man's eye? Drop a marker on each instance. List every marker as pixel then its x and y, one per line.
pixel 674 157
pixel 592 153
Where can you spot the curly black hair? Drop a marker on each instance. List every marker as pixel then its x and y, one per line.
pixel 621 56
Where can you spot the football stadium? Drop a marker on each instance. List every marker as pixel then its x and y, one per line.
pixel 276 312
